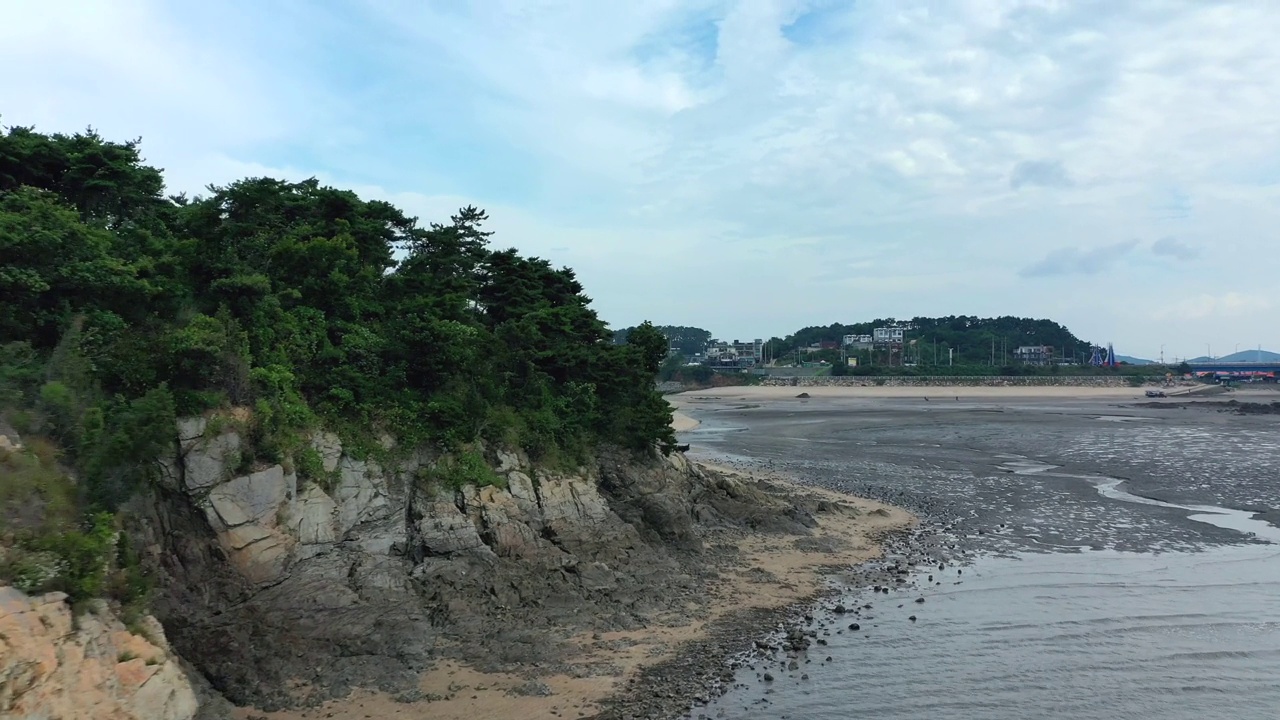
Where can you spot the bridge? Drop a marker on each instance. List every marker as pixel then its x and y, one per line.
pixel 1236 368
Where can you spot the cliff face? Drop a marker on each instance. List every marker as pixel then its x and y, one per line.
pixel 54 666
pixel 284 592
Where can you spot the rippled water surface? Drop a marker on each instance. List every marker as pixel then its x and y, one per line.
pixel 1093 635
pixel 1123 569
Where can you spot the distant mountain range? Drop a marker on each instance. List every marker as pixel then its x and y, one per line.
pixel 1242 356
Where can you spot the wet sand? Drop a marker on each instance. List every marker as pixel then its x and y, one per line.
pixel 681 422
pixel 768 571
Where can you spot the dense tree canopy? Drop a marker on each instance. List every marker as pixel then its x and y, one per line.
pixel 682 339
pixel 307 303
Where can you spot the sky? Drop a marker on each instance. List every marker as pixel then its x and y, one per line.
pixel 750 167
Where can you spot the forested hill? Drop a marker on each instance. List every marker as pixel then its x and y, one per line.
pixel 124 307
pixel 970 337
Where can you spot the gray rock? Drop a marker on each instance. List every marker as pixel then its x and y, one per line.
pixel 206 461
pixel 329 446
pixel 361 494
pixel 315 517
pixel 258 498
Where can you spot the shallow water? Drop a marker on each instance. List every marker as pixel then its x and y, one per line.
pixel 1092 635
pixel 1121 571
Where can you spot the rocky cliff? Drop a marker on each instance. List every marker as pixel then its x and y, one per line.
pixel 284 592
pixel 54 665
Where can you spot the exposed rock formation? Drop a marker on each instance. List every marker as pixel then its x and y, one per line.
pixel 283 591
pixel 91 667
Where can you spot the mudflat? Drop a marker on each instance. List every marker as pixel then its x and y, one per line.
pixel 1117 551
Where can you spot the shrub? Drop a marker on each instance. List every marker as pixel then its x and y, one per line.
pixel 309 465
pixel 464 468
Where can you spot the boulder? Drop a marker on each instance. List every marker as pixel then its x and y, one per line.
pixel 257 498
pixel 92 667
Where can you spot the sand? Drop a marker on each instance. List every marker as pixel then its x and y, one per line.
pixel 681 422
pixel 775 571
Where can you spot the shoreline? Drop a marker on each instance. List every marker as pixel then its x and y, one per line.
pixel 936 392
pixel 760 579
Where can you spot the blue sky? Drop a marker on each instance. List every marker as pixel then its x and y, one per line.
pixel 749 167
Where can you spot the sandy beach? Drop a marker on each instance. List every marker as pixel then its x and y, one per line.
pixel 771 571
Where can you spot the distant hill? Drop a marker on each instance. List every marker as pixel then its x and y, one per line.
pixel 689 340
pixel 1134 360
pixel 1242 356
pixel 958 340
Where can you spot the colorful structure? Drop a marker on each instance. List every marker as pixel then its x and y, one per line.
pixel 1104 358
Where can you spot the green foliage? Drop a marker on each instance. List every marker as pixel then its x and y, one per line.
pixel 970 338
pixel 466 467
pixel 121 450
pixel 307 305
pixel 88 560
pixel 310 466
pixel 35 492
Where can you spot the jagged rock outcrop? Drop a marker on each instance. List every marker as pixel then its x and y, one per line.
pixel 284 591
pixel 55 666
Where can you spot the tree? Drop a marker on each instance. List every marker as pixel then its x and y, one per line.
pixel 286 298
pixel 55 266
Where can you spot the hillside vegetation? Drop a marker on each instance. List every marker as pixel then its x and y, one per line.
pixel 125 308
pixel 973 340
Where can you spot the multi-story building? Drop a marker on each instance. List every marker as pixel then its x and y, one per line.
pixel 736 353
pixel 857 342
pixel 1034 355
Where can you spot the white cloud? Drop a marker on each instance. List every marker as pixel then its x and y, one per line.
pixel 899 157
pixel 1080 261
pixel 1223 306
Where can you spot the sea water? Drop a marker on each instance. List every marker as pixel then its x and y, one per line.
pixel 1122 572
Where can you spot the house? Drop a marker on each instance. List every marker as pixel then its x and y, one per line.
pixel 735 354
pixel 1034 354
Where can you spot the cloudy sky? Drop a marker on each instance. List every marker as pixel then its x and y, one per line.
pixel 748 167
